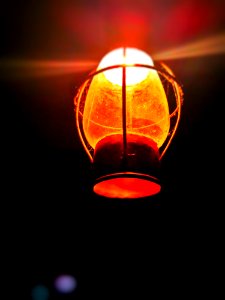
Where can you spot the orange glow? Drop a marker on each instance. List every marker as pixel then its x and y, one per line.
pixel 147 112
pixel 132 56
pixel 126 187
pixel 20 68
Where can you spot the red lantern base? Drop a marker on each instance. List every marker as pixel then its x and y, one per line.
pixel 126 173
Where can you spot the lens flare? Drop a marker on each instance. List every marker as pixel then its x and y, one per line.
pixel 208 46
pixel 41 68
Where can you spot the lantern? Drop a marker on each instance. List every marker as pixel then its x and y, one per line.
pixel 125 122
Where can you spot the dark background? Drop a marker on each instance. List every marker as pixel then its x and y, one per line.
pixel 169 244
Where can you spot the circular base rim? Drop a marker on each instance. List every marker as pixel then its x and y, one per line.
pixel 126 185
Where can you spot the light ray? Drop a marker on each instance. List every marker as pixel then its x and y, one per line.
pixel 209 46
pixel 41 68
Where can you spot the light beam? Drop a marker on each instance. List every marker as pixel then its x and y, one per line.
pixel 208 46
pixel 41 68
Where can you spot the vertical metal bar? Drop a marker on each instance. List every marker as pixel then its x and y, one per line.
pixel 124 109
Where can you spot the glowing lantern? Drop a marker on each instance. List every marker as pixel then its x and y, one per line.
pixel 124 119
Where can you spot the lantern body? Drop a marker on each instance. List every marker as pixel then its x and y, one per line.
pixel 123 116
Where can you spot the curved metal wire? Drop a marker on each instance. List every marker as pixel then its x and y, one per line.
pixel 179 100
pixel 77 101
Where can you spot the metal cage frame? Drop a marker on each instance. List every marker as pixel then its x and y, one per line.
pixel 165 71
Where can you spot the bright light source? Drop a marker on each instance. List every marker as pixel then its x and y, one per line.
pixel 128 57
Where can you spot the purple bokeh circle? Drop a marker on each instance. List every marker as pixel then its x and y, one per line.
pixel 65 284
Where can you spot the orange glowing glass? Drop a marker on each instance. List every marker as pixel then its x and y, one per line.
pixel 147 108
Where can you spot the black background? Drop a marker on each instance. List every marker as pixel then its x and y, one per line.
pixel 169 244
